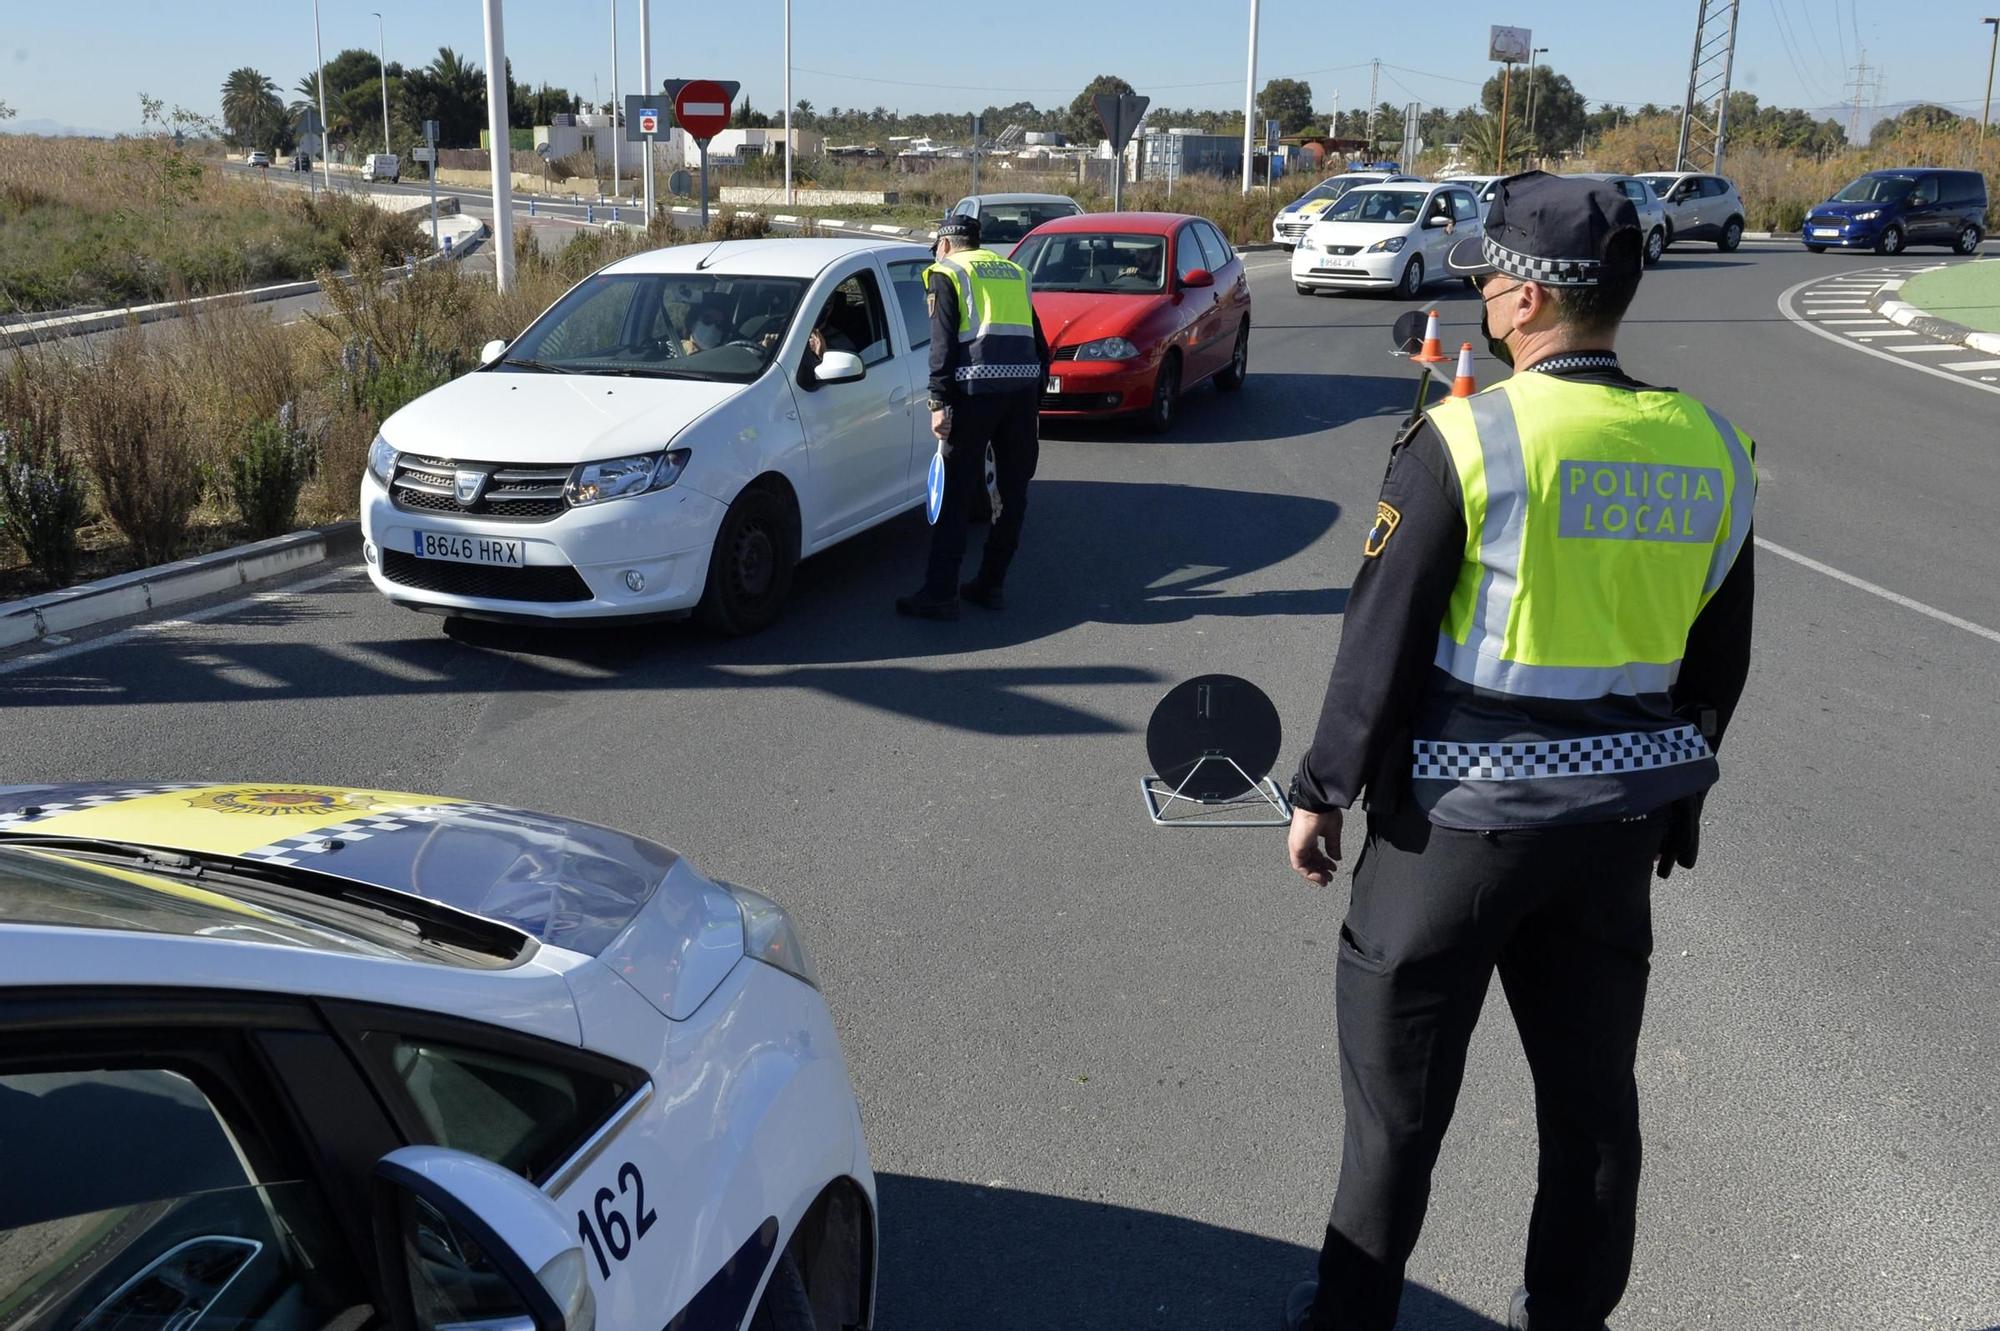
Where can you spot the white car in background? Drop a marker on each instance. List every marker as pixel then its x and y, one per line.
pixel 1652 213
pixel 1699 207
pixel 276 1057
pixel 663 439
pixel 1295 217
pixel 1005 218
pixel 1386 238
pixel 1482 187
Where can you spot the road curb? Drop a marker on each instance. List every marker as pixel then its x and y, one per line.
pixel 1888 304
pixel 33 618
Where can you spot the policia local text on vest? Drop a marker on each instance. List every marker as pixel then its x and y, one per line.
pixel 1546 640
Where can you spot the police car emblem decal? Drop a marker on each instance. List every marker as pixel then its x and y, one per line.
pixel 278 801
pixel 1386 518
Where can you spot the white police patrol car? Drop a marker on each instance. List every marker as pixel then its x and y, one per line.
pixel 277 1057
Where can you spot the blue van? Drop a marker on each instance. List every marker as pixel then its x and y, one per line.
pixel 1886 211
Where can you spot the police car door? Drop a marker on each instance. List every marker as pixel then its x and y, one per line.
pixel 857 433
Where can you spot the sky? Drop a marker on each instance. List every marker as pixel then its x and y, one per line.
pixel 85 64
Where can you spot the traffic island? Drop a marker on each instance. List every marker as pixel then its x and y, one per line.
pixel 1957 303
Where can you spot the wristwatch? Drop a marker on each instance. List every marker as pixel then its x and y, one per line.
pixel 939 404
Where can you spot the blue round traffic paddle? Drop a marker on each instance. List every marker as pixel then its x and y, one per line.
pixel 935 505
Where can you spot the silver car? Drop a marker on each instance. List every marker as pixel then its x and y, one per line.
pixel 1699 207
pixel 1652 213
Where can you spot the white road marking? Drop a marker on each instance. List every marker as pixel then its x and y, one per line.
pixel 1931 346
pixel 1970 365
pixel 138 631
pixel 1789 309
pixel 1893 332
pixel 1942 616
pixel 1838 323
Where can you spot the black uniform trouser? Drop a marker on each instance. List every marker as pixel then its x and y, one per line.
pixel 1565 915
pixel 1008 421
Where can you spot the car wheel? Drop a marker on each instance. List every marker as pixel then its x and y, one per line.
pixel 1891 241
pixel 1656 245
pixel 750 573
pixel 1732 235
pixel 1968 240
pixel 1817 249
pixel 1412 284
pixel 1166 395
pixel 785 1306
pixel 1232 378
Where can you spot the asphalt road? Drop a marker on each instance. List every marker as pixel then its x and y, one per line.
pixel 1096 1058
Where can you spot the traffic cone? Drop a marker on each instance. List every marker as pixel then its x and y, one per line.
pixel 1432 353
pixel 1463 385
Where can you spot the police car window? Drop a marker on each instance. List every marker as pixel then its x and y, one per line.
pixel 907 275
pixel 131 1205
pixel 852 320
pixel 524 1114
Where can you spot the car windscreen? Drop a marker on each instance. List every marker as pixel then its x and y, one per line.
pixel 1876 189
pixel 1660 184
pixel 1005 223
pixel 1085 261
pixel 1377 205
pixel 661 325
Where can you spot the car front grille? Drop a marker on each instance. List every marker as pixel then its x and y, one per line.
pixel 1341 249
pixel 1081 401
pixel 1063 353
pixel 537 582
pixel 1292 230
pixel 528 492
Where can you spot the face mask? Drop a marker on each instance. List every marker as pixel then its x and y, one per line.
pixel 1495 345
pixel 706 335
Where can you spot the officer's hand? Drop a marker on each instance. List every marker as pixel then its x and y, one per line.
pixel 941 422
pixel 1315 845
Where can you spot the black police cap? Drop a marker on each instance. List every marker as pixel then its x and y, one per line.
pixel 958 226
pixel 1555 230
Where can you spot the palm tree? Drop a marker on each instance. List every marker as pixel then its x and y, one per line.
pixel 251 110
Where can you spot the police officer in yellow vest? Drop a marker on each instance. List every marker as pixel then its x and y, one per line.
pixel 988 360
pixel 1545 642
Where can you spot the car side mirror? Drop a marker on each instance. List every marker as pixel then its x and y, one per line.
pixel 839 367
pixel 1198 277
pixel 465 1245
pixel 1435 221
pixel 493 351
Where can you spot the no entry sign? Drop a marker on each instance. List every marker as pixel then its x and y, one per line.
pixel 702 108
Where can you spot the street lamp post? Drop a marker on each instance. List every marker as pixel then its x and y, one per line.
pixel 646 90
pixel 501 158
pixel 617 130
pixel 382 54
pixel 1539 50
pixel 1986 111
pixel 788 109
pixel 319 54
pixel 1249 98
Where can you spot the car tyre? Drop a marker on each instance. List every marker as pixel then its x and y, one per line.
pixel 1163 410
pixel 1732 235
pixel 750 572
pixel 1412 284
pixel 1238 369
pixel 1968 240
pixel 1891 241
pixel 1656 245
pixel 786 1306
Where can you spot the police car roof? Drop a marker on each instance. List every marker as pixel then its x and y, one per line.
pixel 800 256
pixel 1144 224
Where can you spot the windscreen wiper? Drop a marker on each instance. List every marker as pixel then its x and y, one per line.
pixel 542 365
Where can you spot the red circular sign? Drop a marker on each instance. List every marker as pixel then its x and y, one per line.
pixel 702 108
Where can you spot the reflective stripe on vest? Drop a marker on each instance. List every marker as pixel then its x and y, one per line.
pixel 996 322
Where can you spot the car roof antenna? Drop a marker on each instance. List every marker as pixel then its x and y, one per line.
pixel 709 258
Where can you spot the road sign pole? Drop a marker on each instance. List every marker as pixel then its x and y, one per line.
pixel 431 142
pixel 704 184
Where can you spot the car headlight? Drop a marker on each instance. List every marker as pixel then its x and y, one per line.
pixel 381 459
pixel 1392 245
pixel 615 478
pixel 1107 348
pixel 769 937
pixel 1868 216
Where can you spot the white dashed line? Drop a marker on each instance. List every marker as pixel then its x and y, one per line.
pixel 1832 307
pixel 1969 365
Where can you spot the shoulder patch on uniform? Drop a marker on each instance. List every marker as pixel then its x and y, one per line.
pixel 930 300
pixel 1386 521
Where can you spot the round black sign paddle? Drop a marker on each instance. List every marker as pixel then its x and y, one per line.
pixel 1213 738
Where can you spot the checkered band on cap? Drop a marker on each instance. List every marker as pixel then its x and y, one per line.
pixel 1534 268
pixel 1594 755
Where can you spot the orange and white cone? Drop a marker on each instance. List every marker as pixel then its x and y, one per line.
pixel 1464 385
pixel 1433 351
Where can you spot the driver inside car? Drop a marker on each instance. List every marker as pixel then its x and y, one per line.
pixel 709 328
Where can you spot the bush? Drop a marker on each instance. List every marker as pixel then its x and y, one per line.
pixel 132 427
pixel 265 477
pixel 43 496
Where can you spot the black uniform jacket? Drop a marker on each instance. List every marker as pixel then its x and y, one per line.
pixel 1389 637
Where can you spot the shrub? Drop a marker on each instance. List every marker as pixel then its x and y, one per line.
pixel 266 475
pixel 43 496
pixel 132 426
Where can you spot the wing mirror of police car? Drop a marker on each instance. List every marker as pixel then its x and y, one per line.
pixel 839 367
pixel 465 1245
pixel 493 351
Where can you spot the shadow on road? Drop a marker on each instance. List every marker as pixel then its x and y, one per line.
pixel 959 1257
pixel 1095 552
pixel 1272 405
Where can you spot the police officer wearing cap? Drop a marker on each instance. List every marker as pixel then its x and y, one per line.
pixel 1540 654
pixel 988 361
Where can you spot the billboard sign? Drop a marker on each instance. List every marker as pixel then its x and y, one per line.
pixel 1510 46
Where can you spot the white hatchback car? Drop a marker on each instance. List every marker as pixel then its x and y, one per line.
pixel 1652 213
pixel 663 438
pixel 308 1058
pixel 1385 238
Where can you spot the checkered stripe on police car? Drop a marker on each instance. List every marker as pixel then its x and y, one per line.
pixel 35 813
pixel 320 840
pixel 1534 268
pixel 970 372
pixel 1596 755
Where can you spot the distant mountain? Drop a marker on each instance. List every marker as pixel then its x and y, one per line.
pixel 53 129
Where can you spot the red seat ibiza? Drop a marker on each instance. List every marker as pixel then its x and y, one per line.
pixel 1138 308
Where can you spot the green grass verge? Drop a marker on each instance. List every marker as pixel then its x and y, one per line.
pixel 1965 293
